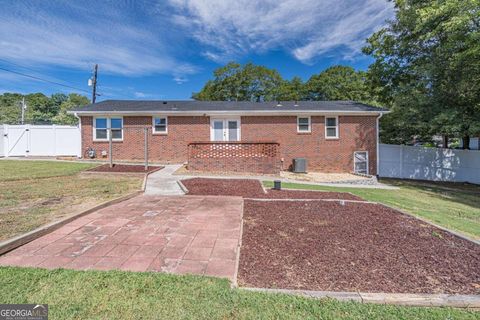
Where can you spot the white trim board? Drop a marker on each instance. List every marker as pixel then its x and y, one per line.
pixel 231 113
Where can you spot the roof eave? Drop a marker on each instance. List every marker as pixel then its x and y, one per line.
pixel 232 113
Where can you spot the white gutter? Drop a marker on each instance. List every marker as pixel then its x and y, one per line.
pixel 80 154
pixel 230 113
pixel 378 141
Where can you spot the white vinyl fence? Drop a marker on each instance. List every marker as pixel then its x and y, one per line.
pixel 39 140
pixel 435 164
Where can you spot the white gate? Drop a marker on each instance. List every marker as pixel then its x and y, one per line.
pixel 17 141
pixel 32 140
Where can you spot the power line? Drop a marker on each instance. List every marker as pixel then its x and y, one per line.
pixel 44 80
pixel 18 65
pixel 36 71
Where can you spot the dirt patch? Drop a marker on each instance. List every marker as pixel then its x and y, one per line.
pixel 249 188
pixel 28 204
pixel 127 168
pixel 322 245
pixel 324 177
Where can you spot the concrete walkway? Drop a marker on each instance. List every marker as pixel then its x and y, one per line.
pixel 163 182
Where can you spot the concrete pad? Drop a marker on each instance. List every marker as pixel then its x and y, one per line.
pixel 185 235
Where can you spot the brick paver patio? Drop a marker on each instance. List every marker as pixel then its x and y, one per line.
pixel 177 234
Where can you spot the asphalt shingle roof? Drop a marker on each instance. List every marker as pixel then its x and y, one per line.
pixel 192 106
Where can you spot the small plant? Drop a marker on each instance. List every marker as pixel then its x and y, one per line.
pixel 437 235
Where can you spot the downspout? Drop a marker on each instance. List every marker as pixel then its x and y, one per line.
pixel 79 128
pixel 378 143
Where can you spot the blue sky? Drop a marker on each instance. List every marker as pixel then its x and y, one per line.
pixel 168 49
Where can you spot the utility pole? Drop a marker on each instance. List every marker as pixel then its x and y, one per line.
pixel 94 83
pixel 24 107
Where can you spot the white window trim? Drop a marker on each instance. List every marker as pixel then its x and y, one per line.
pixel 368 160
pixel 159 132
pixel 108 127
pixel 309 124
pixel 239 131
pixel 336 127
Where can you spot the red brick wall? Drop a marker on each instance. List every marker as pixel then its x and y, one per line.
pixel 168 148
pixel 356 133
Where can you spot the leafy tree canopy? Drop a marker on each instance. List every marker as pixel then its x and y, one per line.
pixel 40 108
pixel 235 82
pixel 427 67
pixel 250 82
pixel 338 83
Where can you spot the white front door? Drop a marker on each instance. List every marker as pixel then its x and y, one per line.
pixel 225 130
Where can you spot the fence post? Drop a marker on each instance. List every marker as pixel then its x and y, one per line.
pixel 110 147
pixel 5 140
pixel 146 148
pixel 28 131
pixel 401 161
pixel 54 128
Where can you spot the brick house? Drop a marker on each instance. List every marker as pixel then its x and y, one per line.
pixel 334 136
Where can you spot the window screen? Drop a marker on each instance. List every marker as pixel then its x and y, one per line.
pixel 160 125
pixel 101 128
pixel 331 128
pixel 303 124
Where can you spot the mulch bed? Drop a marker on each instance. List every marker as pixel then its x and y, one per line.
pixel 321 245
pixel 249 188
pixel 125 168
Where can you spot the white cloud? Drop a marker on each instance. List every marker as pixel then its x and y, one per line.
pixel 139 94
pixel 180 79
pixel 305 28
pixel 77 35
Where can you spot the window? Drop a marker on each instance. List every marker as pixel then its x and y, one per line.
pixel 101 126
pixel 331 127
pixel 117 125
pixel 160 125
pixel 360 162
pixel 303 124
pixel 101 129
pixel 232 130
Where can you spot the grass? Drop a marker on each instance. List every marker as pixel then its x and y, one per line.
pixel 23 169
pixel 38 192
pixel 128 295
pixel 454 206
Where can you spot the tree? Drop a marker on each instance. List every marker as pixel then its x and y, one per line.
pixel 40 108
pixel 73 101
pixel 427 63
pixel 10 108
pixel 338 83
pixel 235 82
pixel 293 90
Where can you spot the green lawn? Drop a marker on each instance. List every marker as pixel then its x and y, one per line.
pixel 56 191
pixel 26 169
pixel 455 206
pixel 128 295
